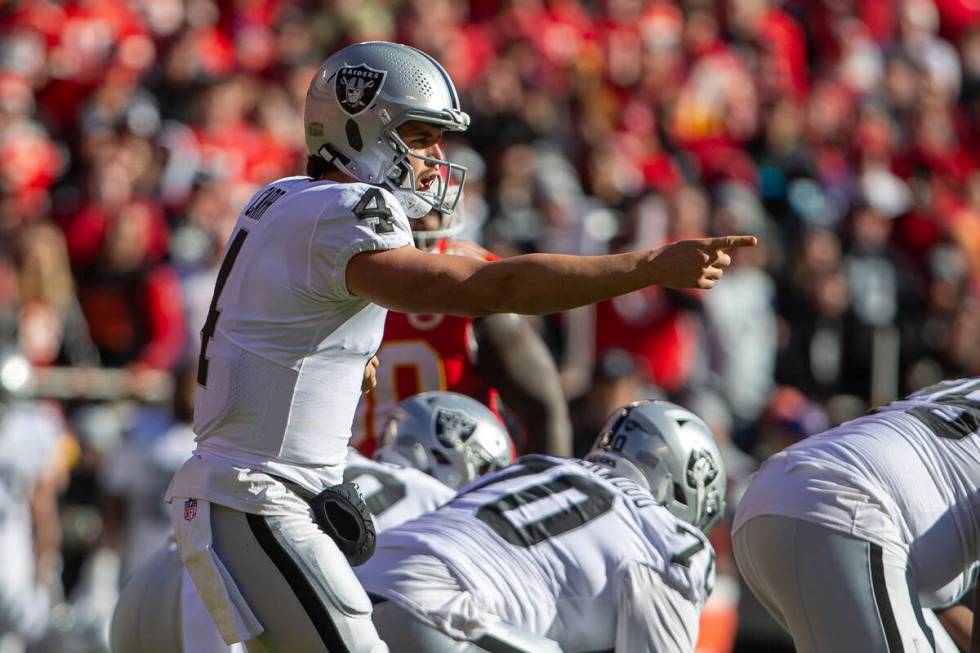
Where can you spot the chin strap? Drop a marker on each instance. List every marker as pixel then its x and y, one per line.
pixel 415 206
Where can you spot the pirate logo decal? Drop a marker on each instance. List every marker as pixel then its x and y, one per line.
pixel 453 427
pixel 357 87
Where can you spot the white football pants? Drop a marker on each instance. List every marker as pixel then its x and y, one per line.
pixel 275 582
pixel 833 592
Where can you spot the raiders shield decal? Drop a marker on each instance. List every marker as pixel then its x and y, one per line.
pixel 453 426
pixel 357 86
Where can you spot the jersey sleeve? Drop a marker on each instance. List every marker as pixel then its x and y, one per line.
pixel 361 218
pixel 652 615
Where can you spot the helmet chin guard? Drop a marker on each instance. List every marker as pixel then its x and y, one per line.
pixel 357 101
pixel 450 224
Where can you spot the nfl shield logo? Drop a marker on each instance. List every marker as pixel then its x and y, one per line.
pixel 190 509
pixel 357 86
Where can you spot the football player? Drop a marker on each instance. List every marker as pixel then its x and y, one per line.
pixel 433 443
pixel 597 554
pixel 847 535
pixel 298 312
pixel 475 356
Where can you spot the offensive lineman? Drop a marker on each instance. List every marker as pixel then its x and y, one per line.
pixel 601 554
pixel 845 536
pixel 298 311
pixel 443 439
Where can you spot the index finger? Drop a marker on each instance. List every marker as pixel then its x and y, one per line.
pixel 725 242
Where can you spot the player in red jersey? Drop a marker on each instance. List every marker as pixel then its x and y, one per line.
pixel 479 357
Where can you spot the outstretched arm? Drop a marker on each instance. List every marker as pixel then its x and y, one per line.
pixel 512 357
pixel 411 281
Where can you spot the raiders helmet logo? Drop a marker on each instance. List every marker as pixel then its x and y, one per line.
pixel 453 426
pixel 357 86
pixel 701 469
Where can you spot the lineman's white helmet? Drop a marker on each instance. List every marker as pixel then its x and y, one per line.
pixel 450 436
pixel 670 451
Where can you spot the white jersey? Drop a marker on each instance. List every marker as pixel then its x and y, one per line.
pixel 560 548
pixel 285 343
pixel 394 494
pixel 907 474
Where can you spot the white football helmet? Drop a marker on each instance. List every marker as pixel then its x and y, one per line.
pixel 671 452
pixel 447 435
pixel 360 97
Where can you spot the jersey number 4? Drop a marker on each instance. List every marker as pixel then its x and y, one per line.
pixel 373 209
pixel 213 313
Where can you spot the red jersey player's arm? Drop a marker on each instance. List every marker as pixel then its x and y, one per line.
pixel 957 620
pixel 512 357
pixel 408 280
pixel 975 639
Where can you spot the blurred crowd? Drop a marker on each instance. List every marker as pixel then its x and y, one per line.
pixel 842 132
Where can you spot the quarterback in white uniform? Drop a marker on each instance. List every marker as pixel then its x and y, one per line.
pixel 298 312
pixel 452 437
pixel 845 536
pixel 593 555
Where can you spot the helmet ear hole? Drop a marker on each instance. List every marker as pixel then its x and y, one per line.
pixel 354 135
pixel 679 494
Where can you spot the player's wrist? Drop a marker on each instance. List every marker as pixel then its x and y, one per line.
pixel 650 264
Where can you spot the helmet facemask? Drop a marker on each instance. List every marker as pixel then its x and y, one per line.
pixel 401 179
pixel 427 236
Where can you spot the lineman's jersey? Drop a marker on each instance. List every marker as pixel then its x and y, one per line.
pixel 394 494
pixel 907 474
pixel 419 353
pixel 285 343
pixel 560 548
